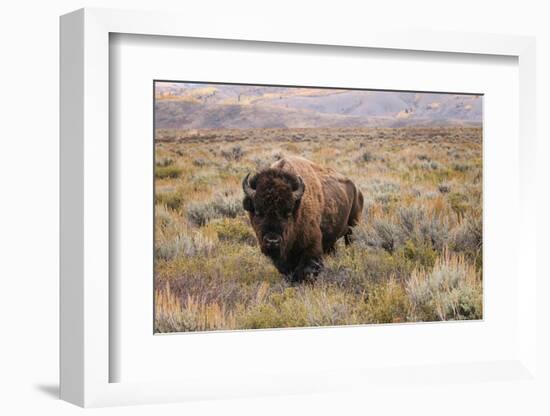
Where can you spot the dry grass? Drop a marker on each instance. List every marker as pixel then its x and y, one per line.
pixel 417 254
pixel 451 290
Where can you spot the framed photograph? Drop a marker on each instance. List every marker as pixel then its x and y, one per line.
pixel 282 213
pixel 280 206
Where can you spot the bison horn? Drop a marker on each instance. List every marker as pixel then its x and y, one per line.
pixel 299 189
pixel 248 190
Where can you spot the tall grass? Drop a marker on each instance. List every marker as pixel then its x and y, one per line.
pixel 416 256
pixel 450 291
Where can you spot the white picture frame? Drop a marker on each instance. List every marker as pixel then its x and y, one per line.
pixel 85 165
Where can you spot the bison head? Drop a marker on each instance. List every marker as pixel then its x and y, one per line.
pixel 272 198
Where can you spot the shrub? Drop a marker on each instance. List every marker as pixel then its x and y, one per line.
pixel 467 238
pixel 200 213
pixel 459 203
pixel 388 235
pixel 425 165
pixel 189 245
pixel 200 162
pixel 317 305
pixel 362 234
pixel 165 162
pixel 269 315
pixel 387 303
pixel 172 200
pixel 435 231
pixel 384 192
pixel 163 217
pixel 381 266
pixel 422 254
pixel 410 219
pixel 238 264
pixel 383 187
pixel 260 163
pixel 459 167
pixel 233 230
pixel 234 154
pixel 228 206
pixel 434 165
pixel 444 188
pixel 277 155
pixel 170 171
pixel 450 291
pixel 367 157
pixel 423 232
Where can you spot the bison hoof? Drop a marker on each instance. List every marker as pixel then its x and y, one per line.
pixel 312 270
pixel 308 272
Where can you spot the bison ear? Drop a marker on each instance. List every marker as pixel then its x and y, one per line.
pixel 248 205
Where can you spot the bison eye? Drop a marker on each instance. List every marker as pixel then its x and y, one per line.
pixel 258 213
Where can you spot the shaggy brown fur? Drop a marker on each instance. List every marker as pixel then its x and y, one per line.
pixel 299 210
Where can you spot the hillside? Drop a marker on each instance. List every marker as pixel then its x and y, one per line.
pixel 197 106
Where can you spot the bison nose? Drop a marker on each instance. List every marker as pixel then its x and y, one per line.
pixel 272 240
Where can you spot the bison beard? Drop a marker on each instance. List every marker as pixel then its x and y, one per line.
pixel 298 211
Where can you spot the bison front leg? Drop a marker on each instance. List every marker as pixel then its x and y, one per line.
pixel 348 237
pixel 308 269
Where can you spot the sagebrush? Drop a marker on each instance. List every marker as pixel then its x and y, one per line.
pixel 416 256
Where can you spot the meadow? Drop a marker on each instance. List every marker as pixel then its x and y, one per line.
pixel 416 256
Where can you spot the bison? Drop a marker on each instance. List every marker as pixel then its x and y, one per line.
pixel 298 210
